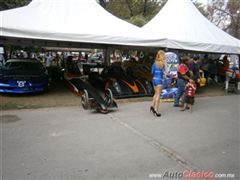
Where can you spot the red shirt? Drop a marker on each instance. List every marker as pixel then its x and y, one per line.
pixel 183 70
pixel 190 89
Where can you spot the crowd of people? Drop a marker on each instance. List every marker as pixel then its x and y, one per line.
pixel 188 74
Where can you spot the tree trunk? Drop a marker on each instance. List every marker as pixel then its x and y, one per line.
pixel 129 7
pixel 145 8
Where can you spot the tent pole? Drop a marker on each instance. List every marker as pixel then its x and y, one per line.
pixel 107 56
pixel 10 51
pixel 239 61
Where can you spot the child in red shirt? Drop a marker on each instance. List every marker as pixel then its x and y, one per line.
pixel 190 89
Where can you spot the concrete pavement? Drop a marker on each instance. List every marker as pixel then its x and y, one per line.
pixel 70 143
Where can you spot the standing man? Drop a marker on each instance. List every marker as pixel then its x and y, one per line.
pixel 195 67
pixel 183 78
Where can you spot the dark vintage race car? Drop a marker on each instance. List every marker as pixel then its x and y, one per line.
pixel 120 83
pixel 23 76
pixel 90 97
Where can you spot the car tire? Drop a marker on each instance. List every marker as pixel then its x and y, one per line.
pixel 85 99
pixel 108 97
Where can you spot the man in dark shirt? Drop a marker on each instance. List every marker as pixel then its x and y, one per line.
pixel 194 67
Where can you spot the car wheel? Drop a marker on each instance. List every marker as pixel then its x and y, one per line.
pixel 108 97
pixel 85 99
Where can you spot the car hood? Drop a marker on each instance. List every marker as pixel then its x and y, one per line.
pixel 9 73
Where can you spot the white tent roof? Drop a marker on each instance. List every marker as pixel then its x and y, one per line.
pixel 67 20
pixel 180 25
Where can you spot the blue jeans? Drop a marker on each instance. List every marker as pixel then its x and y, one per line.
pixel 181 89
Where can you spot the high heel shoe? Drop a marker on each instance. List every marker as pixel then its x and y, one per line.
pixel 157 114
pixel 154 112
pixel 152 109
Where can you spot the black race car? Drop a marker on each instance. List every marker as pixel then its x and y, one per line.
pixel 120 83
pixel 90 97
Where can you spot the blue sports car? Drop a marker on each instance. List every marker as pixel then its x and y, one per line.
pixel 23 76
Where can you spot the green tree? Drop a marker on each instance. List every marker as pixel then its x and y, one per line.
pixel 9 4
pixel 102 3
pixel 224 14
pixel 138 20
pixel 118 8
pixel 137 12
pixel 233 10
pixel 201 8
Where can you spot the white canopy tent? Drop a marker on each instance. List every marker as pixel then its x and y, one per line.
pixel 179 25
pixel 77 23
pixel 83 21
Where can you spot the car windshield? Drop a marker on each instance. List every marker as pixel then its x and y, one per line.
pixel 26 66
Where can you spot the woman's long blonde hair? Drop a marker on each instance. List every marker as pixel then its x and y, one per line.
pixel 160 58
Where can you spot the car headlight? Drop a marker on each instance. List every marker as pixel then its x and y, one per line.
pixel 117 86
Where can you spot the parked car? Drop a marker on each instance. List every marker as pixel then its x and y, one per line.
pixel 23 76
pixel 91 98
pixel 120 83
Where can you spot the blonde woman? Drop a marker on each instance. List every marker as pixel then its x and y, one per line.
pixel 157 73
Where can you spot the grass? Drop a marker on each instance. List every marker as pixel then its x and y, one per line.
pixel 11 106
